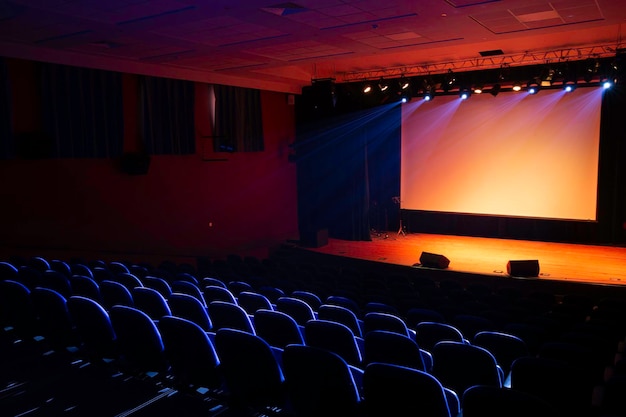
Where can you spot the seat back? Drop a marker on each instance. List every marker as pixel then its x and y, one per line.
pixel 459 366
pixel 277 328
pixel 53 317
pixel 151 302
pixel 251 371
pixel 393 390
pixel 335 337
pixel 190 352
pixel 225 315
pixel 428 334
pixel 299 310
pixel 394 348
pixel 189 307
pixel 252 301
pixel 93 326
pixel 319 382
pixel 186 287
pixel 213 293
pixel 341 315
pixel 503 346
pixel 158 284
pixel 114 293
pixel 384 321
pixel 139 340
pixel 85 286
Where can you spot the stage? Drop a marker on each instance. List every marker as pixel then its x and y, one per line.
pixel 593 264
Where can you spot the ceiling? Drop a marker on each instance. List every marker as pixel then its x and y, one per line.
pixel 284 46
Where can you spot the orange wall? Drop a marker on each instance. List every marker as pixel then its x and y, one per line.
pixel 185 206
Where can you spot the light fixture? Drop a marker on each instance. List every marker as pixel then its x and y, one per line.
pixel 429 94
pixel 404 83
pixel 569 85
pixel 591 69
pixel 478 89
pixel 383 85
pixel 495 89
pixel 533 87
pixel 464 93
pixel 517 86
pixel 448 81
pixel 367 88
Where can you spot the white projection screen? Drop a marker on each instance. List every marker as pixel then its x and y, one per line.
pixel 511 155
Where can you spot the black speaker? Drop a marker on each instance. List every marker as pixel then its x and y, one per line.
pixel 433 260
pixel 135 163
pixel 314 238
pixel 523 268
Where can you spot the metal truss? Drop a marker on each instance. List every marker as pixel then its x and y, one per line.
pixel 488 62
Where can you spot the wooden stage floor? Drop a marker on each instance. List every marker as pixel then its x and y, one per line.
pixel 594 264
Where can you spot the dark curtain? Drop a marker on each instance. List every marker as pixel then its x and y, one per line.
pixel 167 113
pixel 238 120
pixel 6 133
pixel 345 164
pixel 82 112
pixel 612 171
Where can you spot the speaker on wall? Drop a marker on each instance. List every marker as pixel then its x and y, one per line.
pixel 135 163
pixel 433 260
pixel 523 268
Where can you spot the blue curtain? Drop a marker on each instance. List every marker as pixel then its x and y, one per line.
pixel 238 120
pixel 167 112
pixel 6 133
pixel 82 112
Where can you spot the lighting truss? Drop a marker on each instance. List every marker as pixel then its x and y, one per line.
pixel 497 61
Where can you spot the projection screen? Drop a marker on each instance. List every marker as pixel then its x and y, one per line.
pixel 511 155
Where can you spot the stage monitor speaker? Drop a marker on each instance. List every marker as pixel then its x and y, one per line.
pixel 523 268
pixel 433 260
pixel 135 163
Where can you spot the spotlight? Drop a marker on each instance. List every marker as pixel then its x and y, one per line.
pixel 478 89
pixel 569 86
pixel 449 80
pixel 367 88
pixel 404 99
pixel 591 68
pixel 606 83
pixel 383 85
pixel 517 86
pixel 495 89
pixel 404 83
pixel 429 94
pixel 533 87
pixel 464 93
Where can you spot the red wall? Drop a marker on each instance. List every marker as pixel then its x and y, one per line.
pixel 185 206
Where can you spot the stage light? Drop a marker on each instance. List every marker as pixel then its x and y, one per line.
pixel 533 87
pixel 464 93
pixel 367 88
pixel 383 85
pixel 495 89
pixel 478 89
pixel 404 83
pixel 569 86
pixel 591 68
pixel 428 96
pixel 606 83
pixel 517 86
pixel 449 80
pixel 404 99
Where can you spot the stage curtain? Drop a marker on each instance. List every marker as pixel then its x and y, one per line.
pixel 344 163
pixel 82 112
pixel 167 116
pixel 238 120
pixel 6 133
